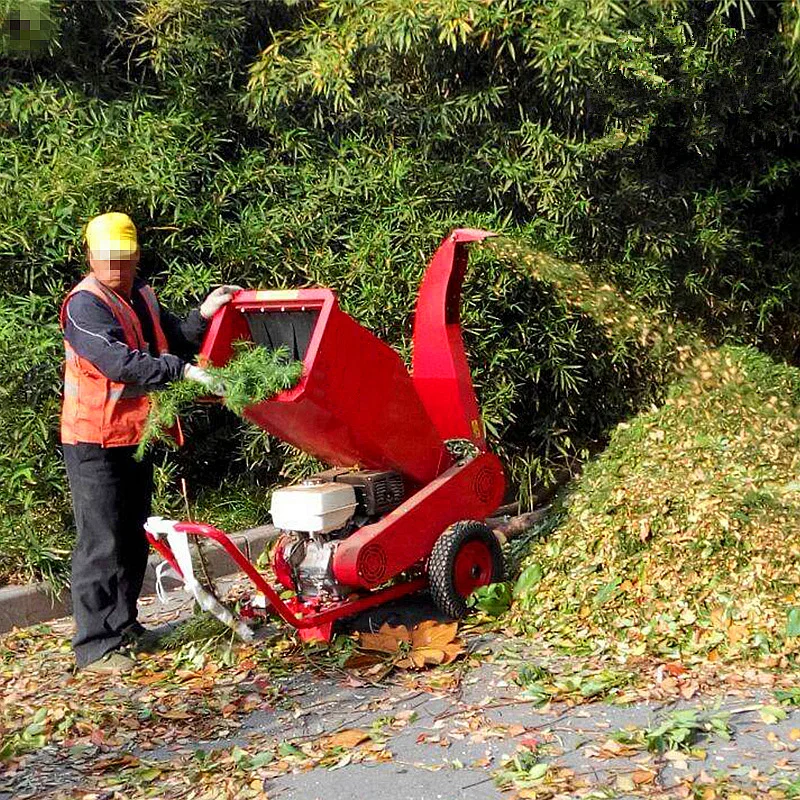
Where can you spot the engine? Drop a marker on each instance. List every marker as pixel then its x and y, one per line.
pixel 317 514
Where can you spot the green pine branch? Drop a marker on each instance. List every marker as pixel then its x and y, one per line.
pixel 253 375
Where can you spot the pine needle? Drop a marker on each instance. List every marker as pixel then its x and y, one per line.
pixel 253 375
pixel 200 628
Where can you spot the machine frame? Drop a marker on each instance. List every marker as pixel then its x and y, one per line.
pixel 357 406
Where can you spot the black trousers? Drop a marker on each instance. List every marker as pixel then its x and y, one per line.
pixel 111 495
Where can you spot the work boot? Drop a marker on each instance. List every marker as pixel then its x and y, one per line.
pixel 144 640
pixel 115 662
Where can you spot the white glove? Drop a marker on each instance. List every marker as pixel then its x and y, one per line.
pixel 217 299
pixel 214 385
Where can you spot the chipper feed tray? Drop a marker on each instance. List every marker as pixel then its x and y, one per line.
pixel 396 512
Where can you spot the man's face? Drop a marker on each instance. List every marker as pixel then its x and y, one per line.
pixel 116 273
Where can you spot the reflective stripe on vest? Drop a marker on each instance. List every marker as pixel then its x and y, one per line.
pixel 95 409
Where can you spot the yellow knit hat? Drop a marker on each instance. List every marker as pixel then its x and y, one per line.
pixel 111 236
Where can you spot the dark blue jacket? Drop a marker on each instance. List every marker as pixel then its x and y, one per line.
pixel 94 334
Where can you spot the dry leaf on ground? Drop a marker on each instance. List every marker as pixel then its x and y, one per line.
pixel 352 737
pixel 430 642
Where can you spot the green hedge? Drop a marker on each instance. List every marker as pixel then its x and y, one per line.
pixel 298 143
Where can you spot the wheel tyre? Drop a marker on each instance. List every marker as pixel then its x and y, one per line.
pixel 466 556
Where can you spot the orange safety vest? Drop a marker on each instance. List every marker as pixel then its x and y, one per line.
pixel 95 409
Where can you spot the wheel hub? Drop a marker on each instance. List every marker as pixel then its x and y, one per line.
pixel 472 568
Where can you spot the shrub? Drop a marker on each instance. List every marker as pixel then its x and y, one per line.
pixel 289 144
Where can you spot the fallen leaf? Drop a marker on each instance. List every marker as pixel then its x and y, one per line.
pixel 342 762
pixel 421 656
pixel 386 640
pixel 771 714
pixel 643 776
pixel 185 715
pixel 689 690
pixel 360 661
pixel 613 749
pixel 115 763
pixel 153 677
pixel 349 738
pixel 625 783
pixel 433 634
pixel 431 643
pixel 736 633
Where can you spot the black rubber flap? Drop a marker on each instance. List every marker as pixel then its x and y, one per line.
pixel 289 329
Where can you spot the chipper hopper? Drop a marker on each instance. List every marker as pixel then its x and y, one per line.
pixel 411 481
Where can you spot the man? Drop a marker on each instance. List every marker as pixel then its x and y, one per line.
pixel 120 344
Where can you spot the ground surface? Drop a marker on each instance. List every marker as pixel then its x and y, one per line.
pixel 509 719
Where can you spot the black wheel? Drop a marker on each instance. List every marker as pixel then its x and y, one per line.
pixel 467 555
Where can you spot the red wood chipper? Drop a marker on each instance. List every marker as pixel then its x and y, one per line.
pixel 402 507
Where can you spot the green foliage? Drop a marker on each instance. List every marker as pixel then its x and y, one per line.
pixel 523 769
pixel 771 715
pixel 26 27
pixel 67 157
pixel 253 374
pixel 32 737
pixel 623 131
pixel 789 697
pixel 793 622
pixel 528 579
pixel 680 730
pixel 542 686
pixel 256 374
pixel 791 787
pixel 202 628
pixel 285 143
pixel 34 524
pixel 494 599
pixel 188 43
